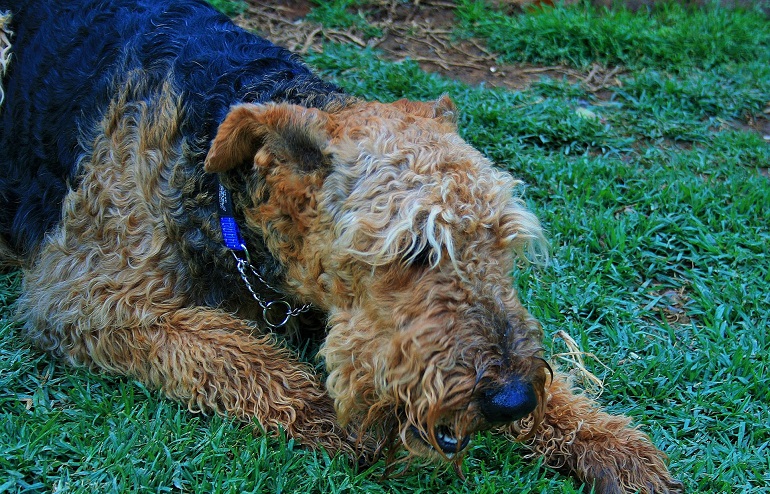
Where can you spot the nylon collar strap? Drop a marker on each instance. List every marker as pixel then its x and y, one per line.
pixel 231 234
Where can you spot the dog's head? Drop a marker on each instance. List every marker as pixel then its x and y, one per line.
pixel 406 237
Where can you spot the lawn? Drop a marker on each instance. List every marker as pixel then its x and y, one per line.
pixel 655 193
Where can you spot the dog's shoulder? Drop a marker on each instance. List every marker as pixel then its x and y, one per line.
pixel 72 61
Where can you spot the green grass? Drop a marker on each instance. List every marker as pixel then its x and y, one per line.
pixel 343 14
pixel 229 7
pixel 656 201
pixel 669 36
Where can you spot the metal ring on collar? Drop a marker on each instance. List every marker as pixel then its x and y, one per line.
pixel 274 304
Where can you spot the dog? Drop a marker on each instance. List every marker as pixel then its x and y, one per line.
pixel 177 190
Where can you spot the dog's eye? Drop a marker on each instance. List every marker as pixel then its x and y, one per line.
pixel 420 255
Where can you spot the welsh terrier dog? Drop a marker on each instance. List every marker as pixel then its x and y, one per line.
pixel 176 189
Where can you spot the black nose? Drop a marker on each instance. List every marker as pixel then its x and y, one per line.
pixel 514 400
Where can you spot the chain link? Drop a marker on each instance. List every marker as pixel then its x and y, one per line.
pixel 244 266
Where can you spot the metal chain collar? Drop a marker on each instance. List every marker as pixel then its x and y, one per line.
pixel 274 313
pixel 281 310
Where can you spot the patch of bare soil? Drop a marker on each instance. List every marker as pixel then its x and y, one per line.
pixel 761 124
pixel 419 30
pixel 422 30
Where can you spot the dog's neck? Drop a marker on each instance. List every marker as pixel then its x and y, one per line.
pixel 276 311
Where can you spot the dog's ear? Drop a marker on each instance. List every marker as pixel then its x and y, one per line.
pixel 443 109
pixel 271 134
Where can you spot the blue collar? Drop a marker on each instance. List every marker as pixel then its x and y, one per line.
pixel 230 232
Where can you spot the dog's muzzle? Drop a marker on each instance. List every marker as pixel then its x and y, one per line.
pixel 448 443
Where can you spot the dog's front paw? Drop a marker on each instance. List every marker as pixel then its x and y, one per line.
pixel 644 481
pixel 628 464
pixel 602 450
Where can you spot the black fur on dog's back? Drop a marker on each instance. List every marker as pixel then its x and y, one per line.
pixel 70 60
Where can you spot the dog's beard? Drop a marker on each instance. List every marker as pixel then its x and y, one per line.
pixel 403 433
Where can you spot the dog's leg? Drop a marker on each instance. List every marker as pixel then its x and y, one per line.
pixel 201 356
pixel 576 436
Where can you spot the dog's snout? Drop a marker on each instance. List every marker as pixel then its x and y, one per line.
pixel 511 401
